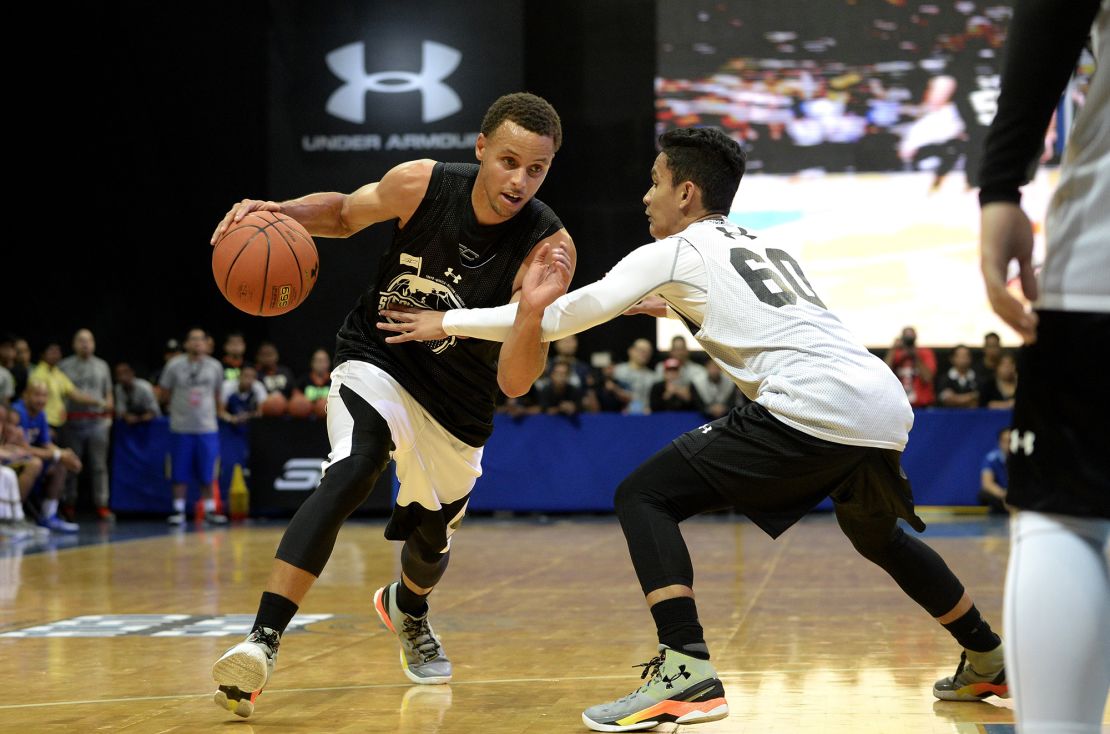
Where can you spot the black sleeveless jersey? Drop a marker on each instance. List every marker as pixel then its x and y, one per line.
pixel 444 259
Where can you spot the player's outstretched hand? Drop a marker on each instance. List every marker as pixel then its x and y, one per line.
pixel 649 305
pixel 240 210
pixel 411 324
pixel 548 277
pixel 1005 234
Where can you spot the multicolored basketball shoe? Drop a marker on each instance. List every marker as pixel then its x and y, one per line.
pixel 422 656
pixel 979 674
pixel 680 689
pixel 243 671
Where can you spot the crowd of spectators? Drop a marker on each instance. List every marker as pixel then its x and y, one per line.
pixel 56 414
pixel 989 383
pixel 56 417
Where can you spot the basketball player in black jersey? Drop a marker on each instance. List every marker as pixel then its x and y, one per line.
pixel 464 235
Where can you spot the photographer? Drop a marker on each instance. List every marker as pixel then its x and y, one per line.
pixel 915 367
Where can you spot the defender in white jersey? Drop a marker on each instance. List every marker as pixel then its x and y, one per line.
pixel 1058 649
pixel 826 419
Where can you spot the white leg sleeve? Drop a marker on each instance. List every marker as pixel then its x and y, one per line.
pixel 1057 622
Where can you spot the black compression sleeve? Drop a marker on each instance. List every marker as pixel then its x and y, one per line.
pixel 1042 48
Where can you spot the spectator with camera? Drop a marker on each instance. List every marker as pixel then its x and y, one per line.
pixel 915 366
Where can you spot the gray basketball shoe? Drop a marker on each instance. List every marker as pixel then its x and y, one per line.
pixel 422 657
pixel 680 689
pixel 979 675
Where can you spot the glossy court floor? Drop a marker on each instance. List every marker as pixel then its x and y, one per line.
pixel 542 618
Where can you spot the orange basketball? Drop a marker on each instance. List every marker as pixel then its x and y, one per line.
pixel 274 405
pixel 266 264
pixel 300 406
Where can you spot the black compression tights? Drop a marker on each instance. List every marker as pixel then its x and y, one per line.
pixel 665 490
pixel 310 537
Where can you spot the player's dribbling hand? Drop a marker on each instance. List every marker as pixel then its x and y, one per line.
pixel 240 210
pixel 1005 234
pixel 547 278
pixel 411 324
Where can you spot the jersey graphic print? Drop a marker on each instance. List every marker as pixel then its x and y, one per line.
pixel 419 291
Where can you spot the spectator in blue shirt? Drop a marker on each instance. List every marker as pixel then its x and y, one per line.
pixel 57 462
pixel 992 477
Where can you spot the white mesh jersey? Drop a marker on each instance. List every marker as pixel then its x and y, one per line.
pixel 749 304
pixel 1076 274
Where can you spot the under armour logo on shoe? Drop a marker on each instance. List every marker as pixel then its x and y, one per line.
pixel 436 64
pixel 705 429
pixel 682 673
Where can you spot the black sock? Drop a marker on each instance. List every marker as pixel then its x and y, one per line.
pixel 973 632
pixel 275 612
pixel 676 621
pixel 411 603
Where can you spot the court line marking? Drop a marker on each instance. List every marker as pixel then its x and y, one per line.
pixel 376 686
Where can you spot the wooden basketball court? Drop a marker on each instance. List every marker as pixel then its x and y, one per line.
pixel 542 618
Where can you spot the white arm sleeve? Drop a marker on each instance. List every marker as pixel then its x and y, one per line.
pixel 642 272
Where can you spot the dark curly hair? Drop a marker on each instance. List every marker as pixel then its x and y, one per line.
pixel 532 113
pixel 709 159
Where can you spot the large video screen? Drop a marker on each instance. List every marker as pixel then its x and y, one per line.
pixel 863 121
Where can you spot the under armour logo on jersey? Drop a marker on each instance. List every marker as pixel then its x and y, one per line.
pixel 450 273
pixel 437 99
pixel 734 232
pixel 1021 442
pixel 705 429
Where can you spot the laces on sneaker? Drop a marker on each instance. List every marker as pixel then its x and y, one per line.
pixel 266 636
pixel 420 636
pixel 652 672
pixel 960 667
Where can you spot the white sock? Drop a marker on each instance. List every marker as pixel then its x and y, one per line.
pixel 210 504
pixel 49 508
pixel 1057 607
pixel 179 506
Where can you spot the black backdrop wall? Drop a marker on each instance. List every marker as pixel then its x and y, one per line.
pixel 170 126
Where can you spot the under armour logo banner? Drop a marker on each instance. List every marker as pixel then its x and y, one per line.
pixel 437 99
